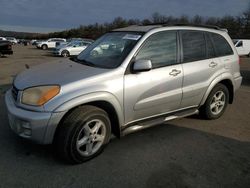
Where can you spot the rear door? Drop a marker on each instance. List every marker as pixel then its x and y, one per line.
pixel 159 90
pixel 200 66
pixel 51 43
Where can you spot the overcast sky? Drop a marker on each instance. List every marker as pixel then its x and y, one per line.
pixel 52 15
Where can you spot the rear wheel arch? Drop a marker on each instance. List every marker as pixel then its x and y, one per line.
pixel 227 82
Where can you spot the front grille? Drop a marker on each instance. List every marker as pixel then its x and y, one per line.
pixel 14 92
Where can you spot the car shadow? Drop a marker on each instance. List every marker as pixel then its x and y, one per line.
pixel 246 77
pixel 3 56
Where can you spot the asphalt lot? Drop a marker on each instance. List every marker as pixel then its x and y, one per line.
pixel 188 152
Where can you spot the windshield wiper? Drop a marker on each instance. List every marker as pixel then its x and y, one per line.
pixel 83 61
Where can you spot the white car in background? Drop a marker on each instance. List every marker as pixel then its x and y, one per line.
pixel 242 46
pixel 2 38
pixel 72 49
pixel 50 43
pixel 11 39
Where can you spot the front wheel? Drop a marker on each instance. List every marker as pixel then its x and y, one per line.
pixel 83 134
pixel 216 102
pixel 65 53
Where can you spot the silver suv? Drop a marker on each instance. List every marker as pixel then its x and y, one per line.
pixel 143 76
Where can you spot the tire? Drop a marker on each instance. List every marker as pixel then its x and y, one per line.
pixel 44 47
pixel 216 102
pixel 65 53
pixel 79 131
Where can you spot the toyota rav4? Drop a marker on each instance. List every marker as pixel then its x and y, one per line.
pixel 146 75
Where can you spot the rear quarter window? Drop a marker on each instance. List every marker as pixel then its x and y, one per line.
pixel 221 45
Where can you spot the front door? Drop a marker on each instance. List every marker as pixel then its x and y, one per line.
pixel 159 90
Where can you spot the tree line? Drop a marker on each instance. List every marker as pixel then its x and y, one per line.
pixel 238 26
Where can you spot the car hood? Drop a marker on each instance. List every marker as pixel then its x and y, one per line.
pixel 55 73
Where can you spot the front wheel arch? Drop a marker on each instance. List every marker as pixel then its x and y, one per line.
pixel 104 105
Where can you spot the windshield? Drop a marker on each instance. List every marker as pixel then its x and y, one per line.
pixel 110 50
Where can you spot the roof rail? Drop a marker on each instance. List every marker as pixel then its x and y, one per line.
pixel 196 25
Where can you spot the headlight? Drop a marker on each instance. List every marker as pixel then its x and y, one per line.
pixel 38 96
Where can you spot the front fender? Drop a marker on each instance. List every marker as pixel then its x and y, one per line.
pixel 93 97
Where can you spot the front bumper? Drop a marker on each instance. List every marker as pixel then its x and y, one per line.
pixel 36 126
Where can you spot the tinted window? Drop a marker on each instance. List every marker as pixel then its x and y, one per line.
pixel 194 46
pixel 221 45
pixel 160 48
pixel 210 47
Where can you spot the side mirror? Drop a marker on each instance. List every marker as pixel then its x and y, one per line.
pixel 142 65
pixel 74 46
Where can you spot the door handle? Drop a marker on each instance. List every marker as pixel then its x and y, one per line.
pixel 174 72
pixel 212 64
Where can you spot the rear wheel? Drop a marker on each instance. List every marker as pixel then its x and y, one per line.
pixel 44 47
pixel 216 102
pixel 65 53
pixel 83 134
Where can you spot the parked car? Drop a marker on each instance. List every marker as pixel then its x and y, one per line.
pixel 50 43
pixel 242 46
pixel 149 75
pixel 12 40
pixel 5 48
pixel 33 42
pixel 2 38
pixel 60 44
pixel 71 49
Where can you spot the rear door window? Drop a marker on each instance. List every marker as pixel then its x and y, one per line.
pixel 193 46
pixel 210 47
